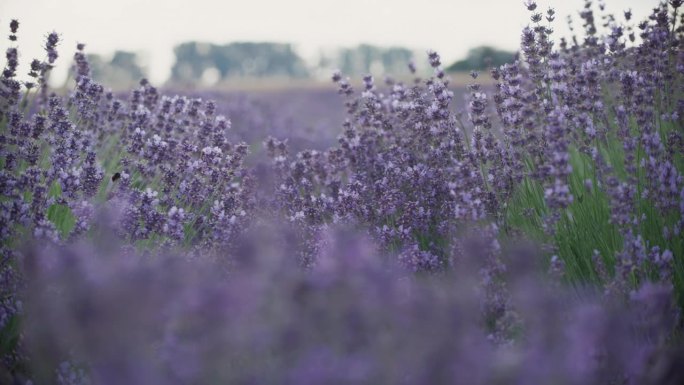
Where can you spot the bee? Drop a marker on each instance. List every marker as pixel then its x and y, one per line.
pixel 109 193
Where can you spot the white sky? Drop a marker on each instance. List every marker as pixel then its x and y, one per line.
pixel 153 27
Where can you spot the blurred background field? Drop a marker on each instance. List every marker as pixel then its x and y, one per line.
pixel 269 89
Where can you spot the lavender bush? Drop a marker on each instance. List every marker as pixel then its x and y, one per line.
pixel 532 237
pixel 580 149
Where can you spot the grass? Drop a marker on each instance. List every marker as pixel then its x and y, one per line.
pixel 585 225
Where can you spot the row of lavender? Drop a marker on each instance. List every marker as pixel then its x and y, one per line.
pixel 533 238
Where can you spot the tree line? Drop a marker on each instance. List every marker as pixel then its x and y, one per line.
pixel 212 63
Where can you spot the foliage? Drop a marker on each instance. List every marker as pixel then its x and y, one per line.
pixel 122 70
pixel 482 58
pixel 236 60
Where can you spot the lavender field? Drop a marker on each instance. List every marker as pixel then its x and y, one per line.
pixel 378 232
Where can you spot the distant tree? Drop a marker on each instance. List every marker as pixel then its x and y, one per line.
pixel 192 59
pixel 97 67
pixel 396 59
pixel 367 58
pixel 244 59
pixel 127 62
pixel 482 58
pixel 121 71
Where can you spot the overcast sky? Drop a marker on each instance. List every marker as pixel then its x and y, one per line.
pixel 153 27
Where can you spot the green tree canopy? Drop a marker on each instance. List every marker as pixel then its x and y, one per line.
pixel 121 71
pixel 367 58
pixel 482 58
pixel 244 59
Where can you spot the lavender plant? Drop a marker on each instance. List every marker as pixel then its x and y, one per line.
pixel 162 165
pixel 580 153
pixel 351 319
pixel 539 224
pixel 611 184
